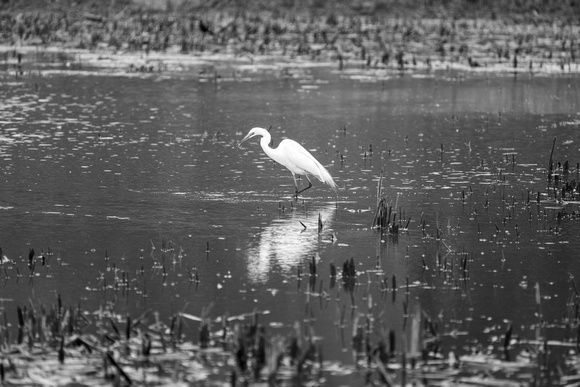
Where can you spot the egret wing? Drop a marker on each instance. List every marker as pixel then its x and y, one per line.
pixel 299 159
pixel 302 162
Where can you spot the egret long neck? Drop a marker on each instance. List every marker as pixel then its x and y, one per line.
pixel 265 144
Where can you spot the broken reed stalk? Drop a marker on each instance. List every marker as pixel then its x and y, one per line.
pixel 112 361
pixel 506 342
pixel 379 187
pixel 550 166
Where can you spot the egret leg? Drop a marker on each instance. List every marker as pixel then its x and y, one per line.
pixel 295 185
pixel 303 189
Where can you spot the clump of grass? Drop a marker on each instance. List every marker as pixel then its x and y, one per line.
pixel 385 217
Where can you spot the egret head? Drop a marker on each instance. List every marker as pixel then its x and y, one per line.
pixel 253 132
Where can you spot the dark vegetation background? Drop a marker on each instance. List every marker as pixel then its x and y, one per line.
pixel 521 34
pixel 517 10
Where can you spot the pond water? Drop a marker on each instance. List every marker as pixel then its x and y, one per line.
pixel 136 186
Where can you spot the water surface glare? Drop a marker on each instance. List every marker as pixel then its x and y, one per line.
pixel 141 177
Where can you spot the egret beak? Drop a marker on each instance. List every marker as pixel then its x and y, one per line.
pixel 249 135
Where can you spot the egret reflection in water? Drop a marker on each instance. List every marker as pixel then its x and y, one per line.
pixel 285 242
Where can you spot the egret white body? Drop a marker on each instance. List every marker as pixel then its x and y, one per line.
pixel 294 157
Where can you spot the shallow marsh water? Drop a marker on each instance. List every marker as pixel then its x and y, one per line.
pixel 140 177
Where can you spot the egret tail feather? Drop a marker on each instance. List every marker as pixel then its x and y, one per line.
pixel 326 178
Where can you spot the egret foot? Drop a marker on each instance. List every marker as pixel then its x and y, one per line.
pixel 303 189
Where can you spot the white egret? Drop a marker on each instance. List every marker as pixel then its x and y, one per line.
pixel 294 157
